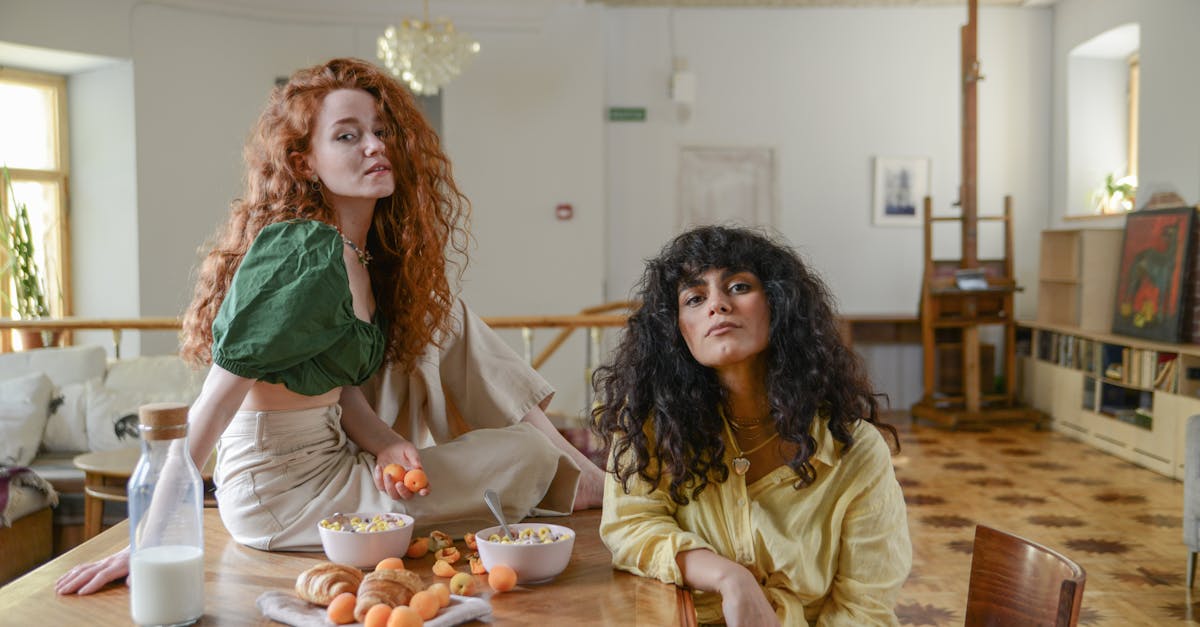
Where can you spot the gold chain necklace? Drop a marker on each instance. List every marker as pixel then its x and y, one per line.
pixel 741 463
pixel 364 257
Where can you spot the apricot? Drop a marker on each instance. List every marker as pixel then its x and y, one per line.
pixel 404 616
pixel 502 578
pixel 462 583
pixel 469 540
pixel 395 471
pixel 378 615
pixel 476 565
pixel 439 540
pixel 426 604
pixel 418 548
pixel 341 609
pixel 415 479
pixel 442 568
pixel 443 593
pixel 390 563
pixel 449 555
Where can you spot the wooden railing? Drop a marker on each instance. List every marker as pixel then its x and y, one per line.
pixel 567 323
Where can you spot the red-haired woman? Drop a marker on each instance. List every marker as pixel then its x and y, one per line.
pixel 332 266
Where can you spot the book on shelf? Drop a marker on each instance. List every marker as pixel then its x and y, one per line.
pixel 1165 378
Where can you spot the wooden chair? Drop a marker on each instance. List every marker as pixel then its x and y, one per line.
pixel 1018 582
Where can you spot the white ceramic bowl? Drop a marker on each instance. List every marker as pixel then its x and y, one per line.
pixel 534 563
pixel 365 549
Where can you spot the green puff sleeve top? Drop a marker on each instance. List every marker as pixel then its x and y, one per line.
pixel 289 318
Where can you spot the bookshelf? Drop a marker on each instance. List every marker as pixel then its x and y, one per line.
pixel 1077 277
pixel 1126 396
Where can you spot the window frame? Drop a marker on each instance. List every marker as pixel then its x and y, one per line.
pixel 59 294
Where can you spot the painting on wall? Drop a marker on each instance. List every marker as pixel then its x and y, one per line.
pixel 1154 268
pixel 901 185
pixel 719 185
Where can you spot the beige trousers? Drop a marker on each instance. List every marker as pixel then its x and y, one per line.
pixel 279 473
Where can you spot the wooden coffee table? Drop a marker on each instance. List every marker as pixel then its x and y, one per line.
pixel 588 592
pixel 106 474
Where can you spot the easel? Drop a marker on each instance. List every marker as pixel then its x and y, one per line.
pixel 948 303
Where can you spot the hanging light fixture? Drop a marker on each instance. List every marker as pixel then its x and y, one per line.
pixel 426 54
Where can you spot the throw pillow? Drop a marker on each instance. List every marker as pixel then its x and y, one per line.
pixel 160 375
pixel 112 416
pixel 66 429
pixel 23 403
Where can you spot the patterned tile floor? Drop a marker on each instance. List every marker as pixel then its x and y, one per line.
pixel 1122 523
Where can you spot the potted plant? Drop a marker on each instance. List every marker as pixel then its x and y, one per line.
pixel 28 298
pixel 1115 195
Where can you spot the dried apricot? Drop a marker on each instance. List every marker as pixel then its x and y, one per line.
pixel 442 568
pixel 378 615
pixel 418 548
pixel 404 616
pixel 469 540
pixel 449 554
pixel 425 603
pixel 502 578
pixel 341 608
pixel 443 593
pixel 390 563
pixel 415 479
pixel 395 471
pixel 438 540
pixel 476 565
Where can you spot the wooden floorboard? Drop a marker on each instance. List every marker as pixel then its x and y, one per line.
pixel 1122 523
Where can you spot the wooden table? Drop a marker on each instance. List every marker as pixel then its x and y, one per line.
pixel 588 592
pixel 105 475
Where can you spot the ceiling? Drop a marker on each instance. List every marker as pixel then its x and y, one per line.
pixel 819 3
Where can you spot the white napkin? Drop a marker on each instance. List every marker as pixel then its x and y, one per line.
pixel 287 608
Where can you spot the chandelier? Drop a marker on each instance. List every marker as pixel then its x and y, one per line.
pixel 426 54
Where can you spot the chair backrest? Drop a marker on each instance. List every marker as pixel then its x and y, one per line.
pixel 1018 582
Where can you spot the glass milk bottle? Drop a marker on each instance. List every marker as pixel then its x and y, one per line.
pixel 166 532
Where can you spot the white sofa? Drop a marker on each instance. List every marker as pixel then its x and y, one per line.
pixel 56 403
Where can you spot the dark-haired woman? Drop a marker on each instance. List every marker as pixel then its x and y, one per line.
pixel 331 267
pixel 747 461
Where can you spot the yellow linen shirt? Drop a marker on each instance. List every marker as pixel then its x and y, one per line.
pixel 833 553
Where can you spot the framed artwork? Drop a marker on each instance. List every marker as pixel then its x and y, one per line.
pixel 901 185
pixel 1154 267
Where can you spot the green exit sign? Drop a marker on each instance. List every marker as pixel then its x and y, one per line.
pixel 627 114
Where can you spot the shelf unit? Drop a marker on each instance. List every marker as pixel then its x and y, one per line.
pixel 1126 396
pixel 1077 277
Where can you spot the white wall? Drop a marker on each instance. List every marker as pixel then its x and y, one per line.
pixel 1169 142
pixel 1097 127
pixel 523 127
pixel 830 89
pixel 104 218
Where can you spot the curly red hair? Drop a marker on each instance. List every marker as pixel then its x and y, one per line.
pixel 414 229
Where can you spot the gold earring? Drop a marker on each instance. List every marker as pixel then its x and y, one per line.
pixel 315 183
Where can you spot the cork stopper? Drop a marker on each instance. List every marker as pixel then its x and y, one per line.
pixel 163 421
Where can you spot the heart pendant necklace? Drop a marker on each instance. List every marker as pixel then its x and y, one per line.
pixel 741 464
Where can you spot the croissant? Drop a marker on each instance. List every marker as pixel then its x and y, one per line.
pixel 393 587
pixel 321 583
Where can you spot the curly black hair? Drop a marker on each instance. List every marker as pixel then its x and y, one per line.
pixel 653 392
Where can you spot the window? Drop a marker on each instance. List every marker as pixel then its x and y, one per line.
pixel 1102 122
pixel 33 145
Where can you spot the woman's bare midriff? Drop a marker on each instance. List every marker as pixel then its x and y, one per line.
pixel 265 396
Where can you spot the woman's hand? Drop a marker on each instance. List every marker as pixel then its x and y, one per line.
pixel 743 601
pixel 88 578
pixel 404 454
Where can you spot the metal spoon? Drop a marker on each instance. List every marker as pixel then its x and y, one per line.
pixel 493 502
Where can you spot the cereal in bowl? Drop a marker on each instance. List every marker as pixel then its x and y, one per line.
pixel 358 524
